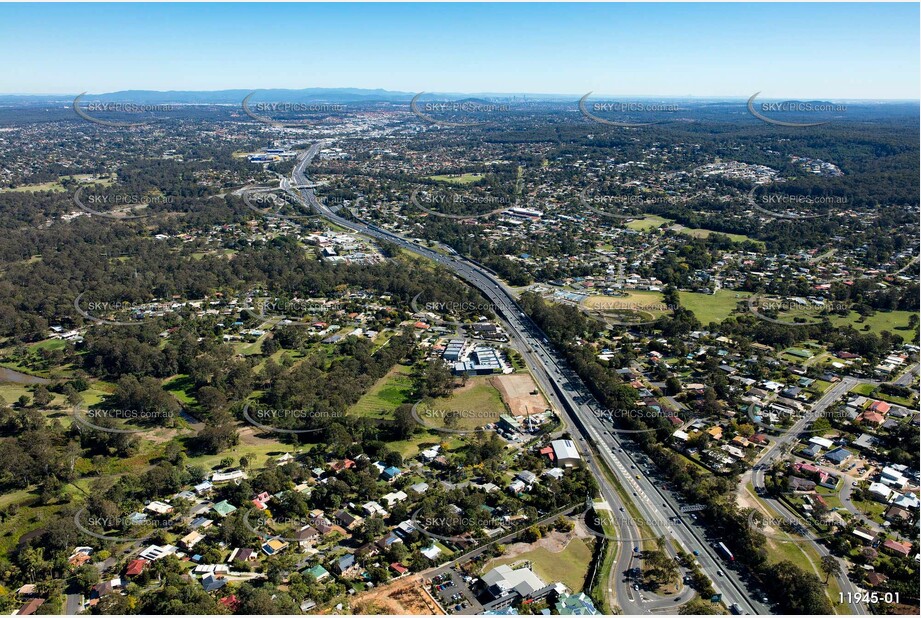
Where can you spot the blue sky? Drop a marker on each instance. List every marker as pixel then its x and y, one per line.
pixel 845 51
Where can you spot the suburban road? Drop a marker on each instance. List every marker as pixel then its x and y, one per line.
pixel 779 449
pixel 578 406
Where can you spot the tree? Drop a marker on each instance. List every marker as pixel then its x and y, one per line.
pixel 41 397
pixel 86 577
pixel 830 566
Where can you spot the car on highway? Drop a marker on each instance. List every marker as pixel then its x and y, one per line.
pixel 719 573
pixel 696 552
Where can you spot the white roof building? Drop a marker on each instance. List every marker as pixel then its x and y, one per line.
pixel 523 581
pixel 880 491
pixel 565 453
pixel 823 442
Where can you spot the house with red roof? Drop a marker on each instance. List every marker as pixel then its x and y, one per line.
pixel 260 501
pixel 135 567
pixel 231 602
pixel 880 406
pixel 871 418
pixel 399 568
pixel 896 547
pixel 30 607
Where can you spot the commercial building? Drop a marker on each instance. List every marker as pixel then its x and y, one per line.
pixel 565 453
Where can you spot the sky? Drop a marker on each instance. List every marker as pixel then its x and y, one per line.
pixel 842 50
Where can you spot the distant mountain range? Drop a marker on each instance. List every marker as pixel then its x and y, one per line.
pixel 234 97
pixel 336 95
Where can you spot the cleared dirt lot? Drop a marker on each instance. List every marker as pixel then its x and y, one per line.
pixel 516 391
pixel 403 597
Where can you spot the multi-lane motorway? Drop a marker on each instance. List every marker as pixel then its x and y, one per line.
pixel 571 396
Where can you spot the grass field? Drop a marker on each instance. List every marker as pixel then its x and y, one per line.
pixel 636 305
pixel 648 222
pixel 702 233
pixel 386 395
pixel 863 389
pixel 55 185
pixel 462 179
pixel 569 566
pixel 895 322
pixel 712 307
pixel 477 403
pixel 651 222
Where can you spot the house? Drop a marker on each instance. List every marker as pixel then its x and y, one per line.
pixel 865 442
pixel 232 603
pixel 527 477
pixel 389 474
pixel 307 605
pixel 812 451
pixel 155 552
pixel 554 473
pixel 823 442
pixel 405 528
pixel 203 488
pixel 517 486
pixel 191 539
pixel 307 537
pixel 431 552
pixel 897 513
pixel 907 500
pixel 897 547
pixel 105 588
pixel 346 519
pixel 201 522
pixel 261 501
pixel 135 567
pixel 880 492
pixel 800 484
pixel 373 508
pixel 875 579
pixel 274 546
pixel 419 488
pixel 394 497
pixel 231 476
pixel 388 540
pixel 30 607
pixel 346 565
pixel 318 572
pixel 242 554
pixel 869 417
pixel 399 569
pixel 863 533
pixel 223 508
pixel 838 456
pixel 212 582
pixel 159 508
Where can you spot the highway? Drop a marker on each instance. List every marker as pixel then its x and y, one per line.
pixel 573 399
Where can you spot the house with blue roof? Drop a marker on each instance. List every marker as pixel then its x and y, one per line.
pixel 391 473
